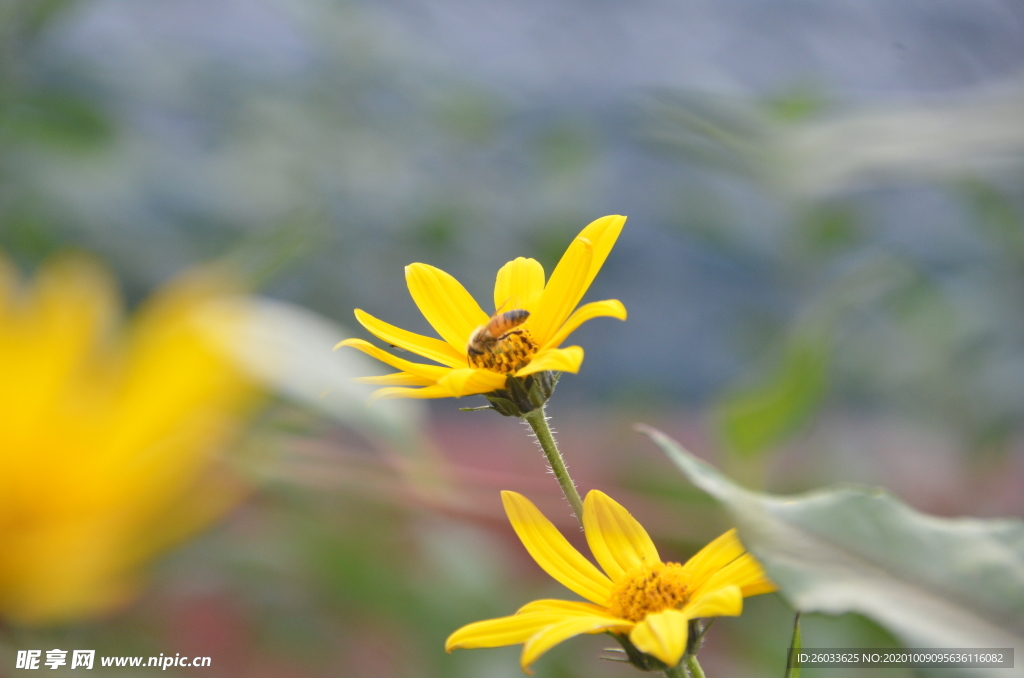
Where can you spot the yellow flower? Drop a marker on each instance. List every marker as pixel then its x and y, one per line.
pixel 523 349
pixel 639 598
pixel 110 444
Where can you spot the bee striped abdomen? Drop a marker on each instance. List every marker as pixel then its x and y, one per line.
pixel 504 322
pixel 499 346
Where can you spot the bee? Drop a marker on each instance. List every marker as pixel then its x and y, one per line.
pixel 487 338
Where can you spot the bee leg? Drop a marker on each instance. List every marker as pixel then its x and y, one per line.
pixel 509 334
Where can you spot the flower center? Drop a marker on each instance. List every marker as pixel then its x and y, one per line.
pixel 507 355
pixel 649 589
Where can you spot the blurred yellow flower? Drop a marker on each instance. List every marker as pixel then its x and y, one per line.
pixel 638 598
pixel 110 445
pixel 479 351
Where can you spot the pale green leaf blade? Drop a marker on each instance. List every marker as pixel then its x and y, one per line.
pixel 934 582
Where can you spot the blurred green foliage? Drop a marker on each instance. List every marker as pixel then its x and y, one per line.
pixel 753 420
pixel 928 339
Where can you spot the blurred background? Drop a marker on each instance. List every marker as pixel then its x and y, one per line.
pixel 823 266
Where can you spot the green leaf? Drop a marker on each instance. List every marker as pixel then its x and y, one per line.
pixel 753 420
pixel 800 103
pixel 60 120
pixel 794 645
pixel 933 582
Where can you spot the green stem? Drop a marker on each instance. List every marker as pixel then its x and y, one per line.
pixel 677 672
pixel 694 666
pixel 538 421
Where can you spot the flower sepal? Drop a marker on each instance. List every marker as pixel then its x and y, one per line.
pixel 646 662
pixel 637 658
pixel 522 395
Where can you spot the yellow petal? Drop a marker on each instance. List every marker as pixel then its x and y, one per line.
pixel 431 372
pixel 555 359
pixel 72 305
pixel 567 607
pixel 470 381
pixel 563 291
pixel 662 635
pixel 392 392
pixel 616 539
pixel 713 557
pixel 756 588
pixel 602 233
pixel 744 572
pixel 553 552
pixel 611 308
pixel 428 347
pixel 550 636
pixel 445 303
pixel 723 602
pixel 519 284
pixel 396 379
pixel 500 632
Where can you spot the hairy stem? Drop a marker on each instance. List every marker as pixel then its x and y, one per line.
pixel 538 421
pixel 693 666
pixel 677 672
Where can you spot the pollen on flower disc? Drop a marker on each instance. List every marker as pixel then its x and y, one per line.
pixel 650 589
